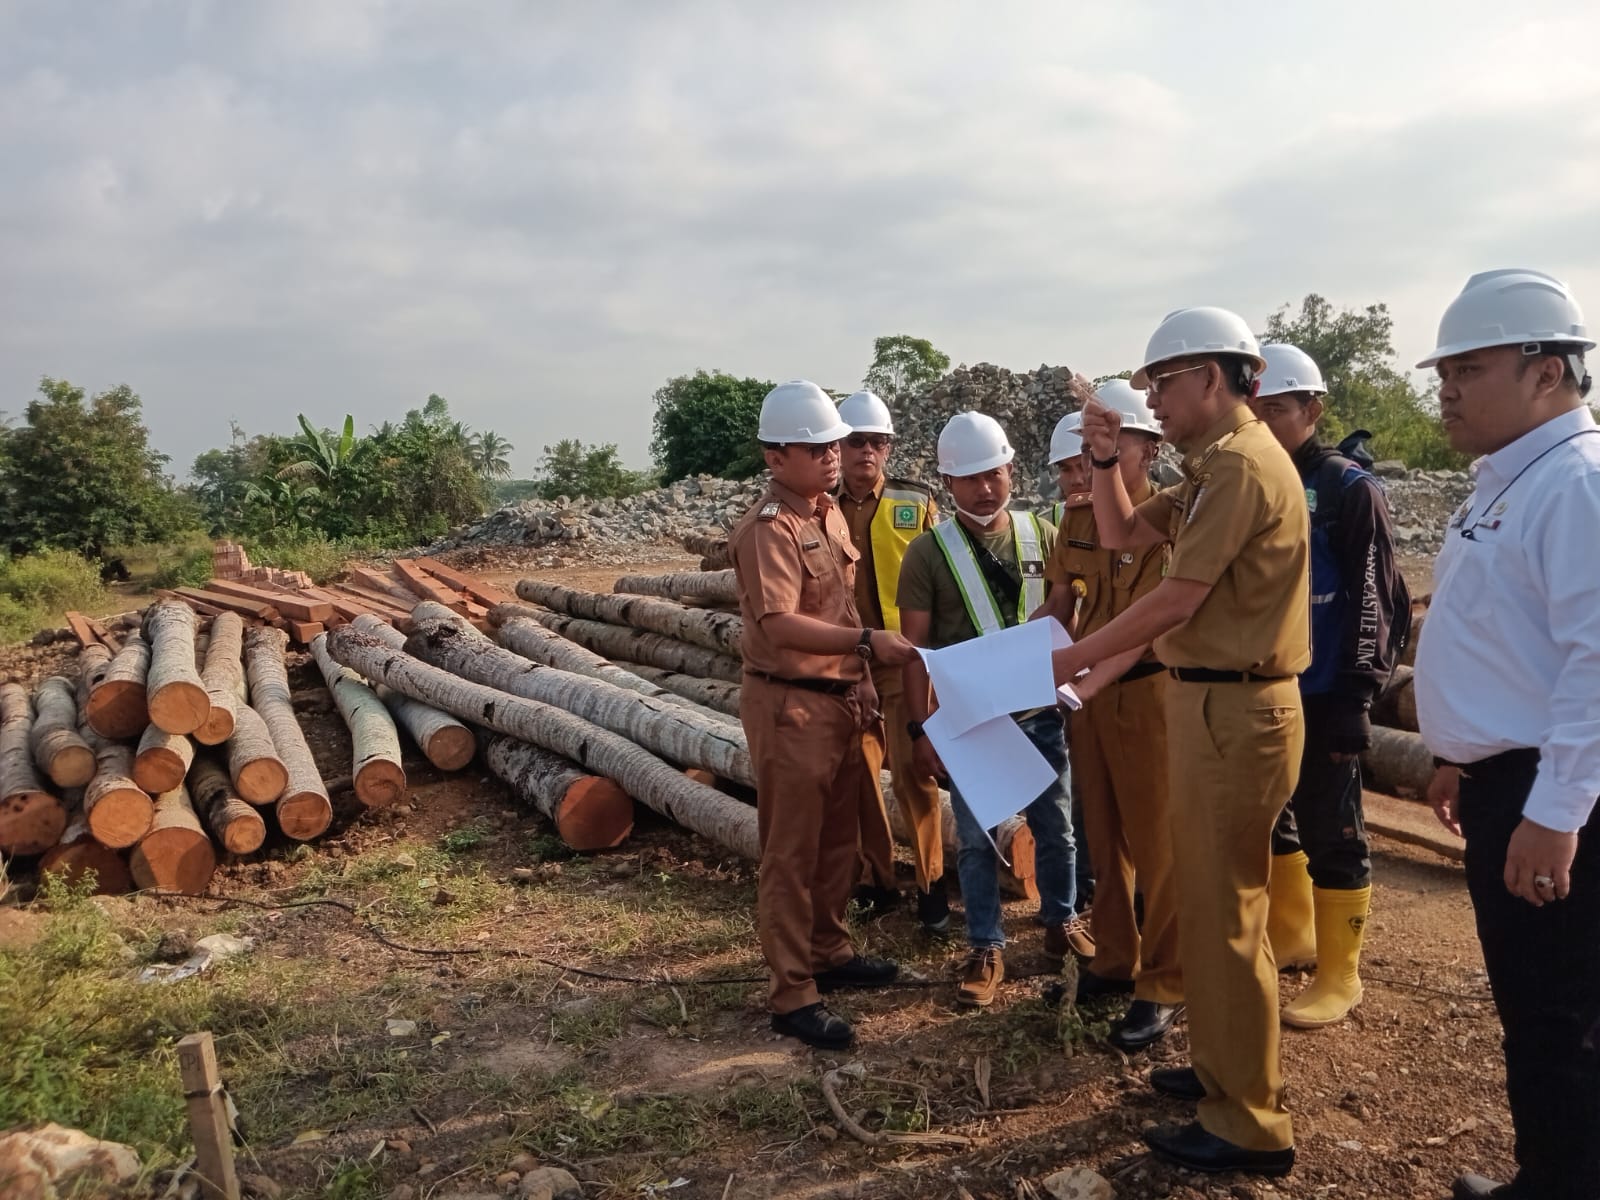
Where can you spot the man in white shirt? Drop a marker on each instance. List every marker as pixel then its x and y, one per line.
pixel 1508 700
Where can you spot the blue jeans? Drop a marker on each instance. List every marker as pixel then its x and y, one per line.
pixel 1055 854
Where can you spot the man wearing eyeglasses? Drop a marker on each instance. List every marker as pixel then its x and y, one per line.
pixel 1508 698
pixel 885 516
pixel 1231 622
pixel 807 697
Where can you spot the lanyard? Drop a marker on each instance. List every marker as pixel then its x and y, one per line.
pixel 1467 531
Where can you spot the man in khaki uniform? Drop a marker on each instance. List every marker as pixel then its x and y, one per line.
pixel 885 516
pixel 1119 750
pixel 806 699
pixel 1231 622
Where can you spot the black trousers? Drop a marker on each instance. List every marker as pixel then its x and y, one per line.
pixel 1544 970
pixel 1323 817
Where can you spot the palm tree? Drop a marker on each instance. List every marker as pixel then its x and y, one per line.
pixel 287 505
pixel 490 455
pixel 323 458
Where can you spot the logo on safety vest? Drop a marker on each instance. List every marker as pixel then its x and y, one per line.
pixel 905 516
pixel 1311 499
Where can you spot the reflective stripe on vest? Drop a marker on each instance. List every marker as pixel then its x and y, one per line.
pixel 1058 513
pixel 982 608
pixel 901 517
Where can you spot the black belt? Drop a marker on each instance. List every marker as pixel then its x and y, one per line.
pixel 1520 759
pixel 831 687
pixel 1207 675
pixel 1141 671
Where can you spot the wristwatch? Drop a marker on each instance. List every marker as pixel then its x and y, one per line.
pixel 864 645
pixel 914 728
pixel 1105 464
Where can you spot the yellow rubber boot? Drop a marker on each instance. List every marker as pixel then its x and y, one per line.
pixel 1291 929
pixel 1341 925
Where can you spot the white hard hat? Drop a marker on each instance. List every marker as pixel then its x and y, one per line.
pixel 1511 308
pixel 1122 397
pixel 865 413
pixel 1198 331
pixel 972 443
pixel 1289 369
pixel 1066 442
pixel 800 412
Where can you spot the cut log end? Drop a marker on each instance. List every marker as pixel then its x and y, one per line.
pixel 304 815
pixel 31 822
pixel 72 767
pixel 180 707
pixel 174 860
pixel 238 826
pixel 262 780
pixel 451 748
pixel 87 859
pixel 595 814
pixel 120 816
pixel 380 783
pixel 117 709
pixel 218 727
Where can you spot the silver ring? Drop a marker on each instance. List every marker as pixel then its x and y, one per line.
pixel 1543 881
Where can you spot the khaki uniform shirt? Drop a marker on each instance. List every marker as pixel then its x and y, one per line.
pixel 927 584
pixel 859 515
pixel 792 556
pixel 1108 581
pixel 1238 522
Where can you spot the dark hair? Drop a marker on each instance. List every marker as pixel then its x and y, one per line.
pixel 1238 374
pixel 1566 352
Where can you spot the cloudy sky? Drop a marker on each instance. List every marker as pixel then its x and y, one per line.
pixel 544 210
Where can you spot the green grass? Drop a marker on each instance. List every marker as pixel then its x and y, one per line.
pixel 36 589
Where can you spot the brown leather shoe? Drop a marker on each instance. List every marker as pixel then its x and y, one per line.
pixel 1067 936
pixel 981 977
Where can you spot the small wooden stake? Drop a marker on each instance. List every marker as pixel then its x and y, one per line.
pixel 208 1118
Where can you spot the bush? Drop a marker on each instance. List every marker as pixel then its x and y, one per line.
pixel 36 589
pixel 319 557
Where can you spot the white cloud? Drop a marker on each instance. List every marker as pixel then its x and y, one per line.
pixel 542 212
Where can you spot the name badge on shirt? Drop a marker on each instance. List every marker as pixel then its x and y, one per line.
pixel 769 510
pixel 1080 544
pixel 809 545
pixel 1032 569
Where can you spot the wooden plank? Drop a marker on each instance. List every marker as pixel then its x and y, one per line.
pixel 203 607
pixel 208 1117
pixel 424 585
pixel 105 635
pixel 480 590
pixel 372 601
pixel 290 606
pixel 249 608
pixel 304 631
pixel 1410 822
pixel 379 582
pixel 79 624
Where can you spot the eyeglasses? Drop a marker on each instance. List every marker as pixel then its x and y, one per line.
pixel 860 441
pixel 1157 380
pixel 819 449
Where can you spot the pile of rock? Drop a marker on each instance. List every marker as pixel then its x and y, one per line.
pixel 1422 503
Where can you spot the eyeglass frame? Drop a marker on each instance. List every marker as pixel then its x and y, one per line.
pixel 1154 382
pixel 878 441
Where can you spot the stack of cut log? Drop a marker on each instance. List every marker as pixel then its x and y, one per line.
pixel 177 744
pixel 304 611
pixel 713 550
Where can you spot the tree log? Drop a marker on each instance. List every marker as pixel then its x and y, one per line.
pixel 1408 656
pixel 635 645
pixel 673 733
pixel 258 772
pixel 716 694
pixel 233 821
pixel 31 819
pixel 719 632
pixel 645 777
pixel 117 809
pixel 590 812
pixel 713 551
pixel 223 679
pixel 77 854
pixel 162 760
pixel 303 810
pixel 176 855
pixel 444 741
pixel 93 663
pixel 176 698
pixel 379 779
pixel 719 586
pixel 1397 761
pixel 537 644
pixel 1396 705
pixel 58 748
pixel 117 705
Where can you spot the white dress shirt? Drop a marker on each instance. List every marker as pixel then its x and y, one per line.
pixel 1510 650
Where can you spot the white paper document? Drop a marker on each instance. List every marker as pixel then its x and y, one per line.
pixel 1060 639
pixel 998 771
pixel 989 677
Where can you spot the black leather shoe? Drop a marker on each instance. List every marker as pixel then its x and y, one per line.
pixel 1097 987
pixel 933 908
pixel 1476 1187
pixel 1146 1023
pixel 815 1026
pixel 1181 1083
pixel 1193 1147
pixel 876 902
pixel 858 972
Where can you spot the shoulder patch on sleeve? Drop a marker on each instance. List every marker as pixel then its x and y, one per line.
pixel 769 511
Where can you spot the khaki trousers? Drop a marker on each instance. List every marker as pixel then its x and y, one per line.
pixel 1234 752
pixel 916 796
pixel 807 754
pixel 1119 762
